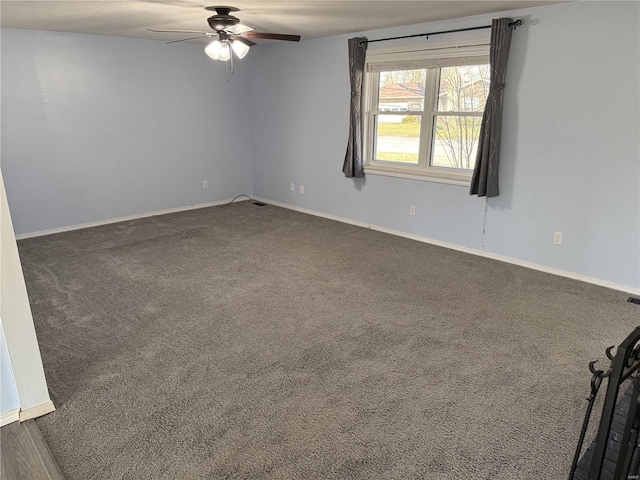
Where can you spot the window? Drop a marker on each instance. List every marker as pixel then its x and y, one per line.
pixel 423 110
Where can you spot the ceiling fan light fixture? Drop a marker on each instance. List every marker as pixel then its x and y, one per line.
pixel 225 52
pixel 229 34
pixel 214 49
pixel 240 49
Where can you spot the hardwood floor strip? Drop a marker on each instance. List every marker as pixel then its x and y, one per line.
pixel 25 454
pixel 46 457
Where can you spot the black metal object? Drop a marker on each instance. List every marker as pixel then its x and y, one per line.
pixel 614 453
pixel 513 25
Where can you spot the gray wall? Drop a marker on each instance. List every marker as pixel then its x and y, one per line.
pixel 570 156
pixel 95 128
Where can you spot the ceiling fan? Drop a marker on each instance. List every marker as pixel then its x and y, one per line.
pixel 228 34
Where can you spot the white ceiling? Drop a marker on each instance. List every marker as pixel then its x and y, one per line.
pixel 306 18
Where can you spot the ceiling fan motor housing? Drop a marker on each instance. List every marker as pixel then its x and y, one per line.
pixel 223 19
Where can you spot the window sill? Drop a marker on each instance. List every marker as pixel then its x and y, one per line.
pixel 461 179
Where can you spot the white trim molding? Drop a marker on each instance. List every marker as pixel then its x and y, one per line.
pixel 473 251
pixel 17 321
pixel 37 411
pixel 419 175
pixel 99 223
pixel 9 417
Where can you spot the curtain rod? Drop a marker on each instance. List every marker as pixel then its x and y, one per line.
pixel 513 25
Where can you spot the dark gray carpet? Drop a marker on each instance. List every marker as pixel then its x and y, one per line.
pixel 247 342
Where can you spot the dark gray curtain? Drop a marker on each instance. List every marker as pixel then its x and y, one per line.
pixel 485 174
pixel 353 163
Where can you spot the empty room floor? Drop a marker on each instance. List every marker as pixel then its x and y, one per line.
pixel 257 342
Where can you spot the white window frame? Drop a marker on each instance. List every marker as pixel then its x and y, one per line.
pixel 465 52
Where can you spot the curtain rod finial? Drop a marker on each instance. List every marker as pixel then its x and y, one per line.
pixel 515 24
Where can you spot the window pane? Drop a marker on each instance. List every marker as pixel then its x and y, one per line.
pixel 401 90
pixel 397 138
pixel 455 141
pixel 463 89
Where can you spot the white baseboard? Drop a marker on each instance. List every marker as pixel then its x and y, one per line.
pixel 37 411
pixel 473 251
pixel 9 417
pixel 121 219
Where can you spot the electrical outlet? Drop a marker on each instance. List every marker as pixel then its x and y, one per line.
pixel 557 238
pixel 292 186
pixel 205 184
pixel 301 189
pixel 412 210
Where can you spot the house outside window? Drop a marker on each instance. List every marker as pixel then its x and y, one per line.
pixel 423 109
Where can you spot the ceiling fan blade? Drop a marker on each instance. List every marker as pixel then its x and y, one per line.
pixel 272 36
pixel 239 28
pixel 177 31
pixel 183 40
pixel 246 41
